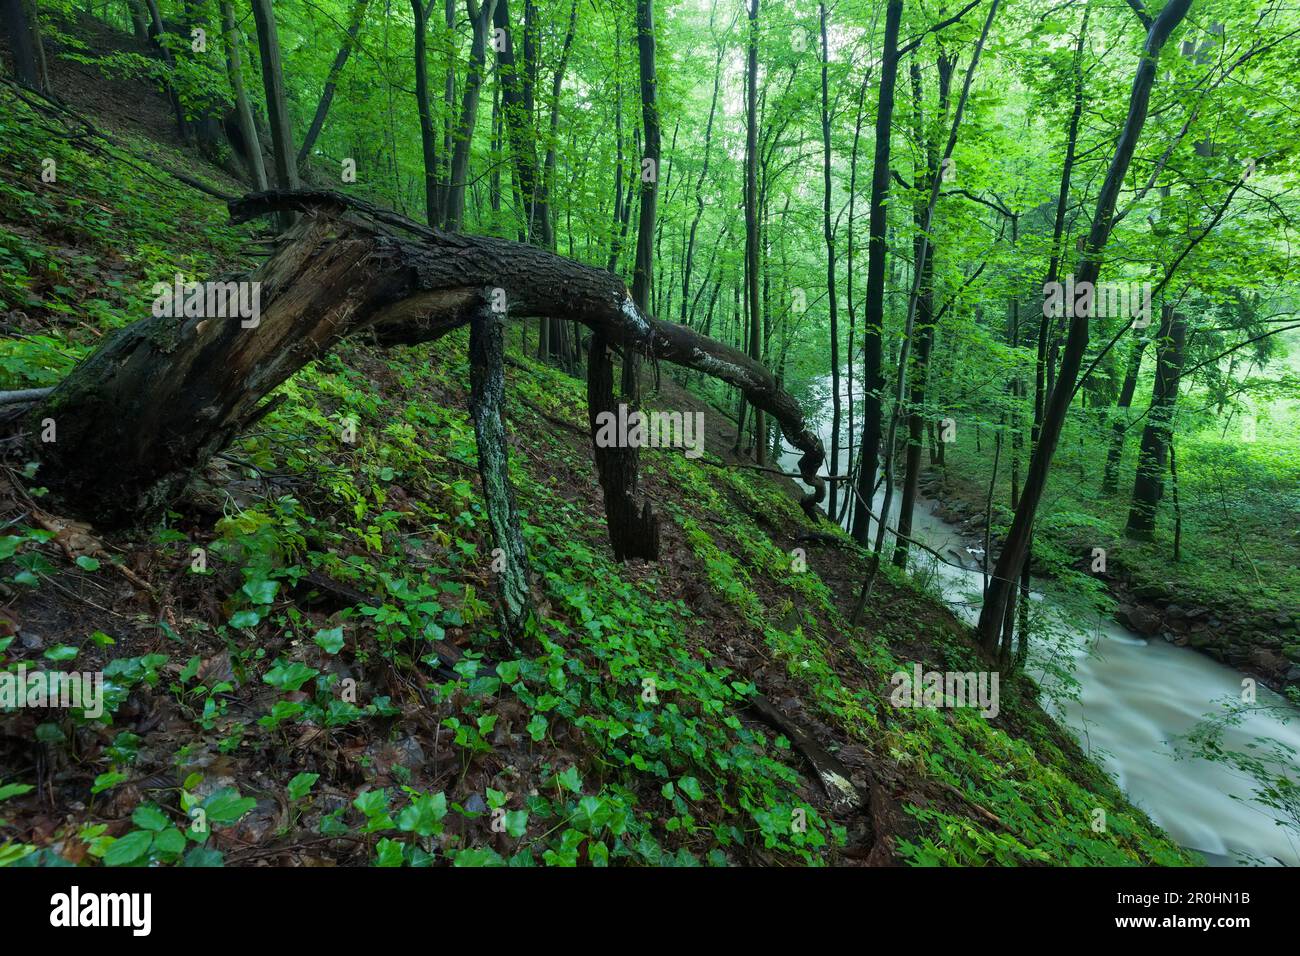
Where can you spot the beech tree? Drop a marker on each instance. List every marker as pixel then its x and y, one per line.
pixel 1006 571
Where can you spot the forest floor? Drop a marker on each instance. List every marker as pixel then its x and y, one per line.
pixel 301 661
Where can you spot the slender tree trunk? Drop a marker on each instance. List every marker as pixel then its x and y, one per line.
pixel 243 111
pixel 1178 505
pixel 517 107
pixel 751 218
pixel 829 233
pixel 156 31
pixel 909 324
pixel 22 43
pixel 560 330
pixel 448 109
pixel 643 271
pixel 487 406
pixel 633 528
pixel 332 80
pixel 204 121
pixel 1148 486
pixel 688 260
pixel 498 150
pixel 1011 560
pixel 480 18
pixel 619 221
pixel 32 14
pixel 139 19
pixel 428 139
pixel 850 503
pixel 1110 478
pixel 873 322
pixel 557 84
pixel 925 314
pixel 1043 366
pixel 277 108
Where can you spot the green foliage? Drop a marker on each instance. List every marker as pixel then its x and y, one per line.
pixel 632 721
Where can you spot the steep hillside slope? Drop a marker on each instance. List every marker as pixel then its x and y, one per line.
pixel 301 662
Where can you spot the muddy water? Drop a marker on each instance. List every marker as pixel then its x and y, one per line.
pixel 1135 697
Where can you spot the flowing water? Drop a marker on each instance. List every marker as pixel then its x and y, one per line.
pixel 1135 697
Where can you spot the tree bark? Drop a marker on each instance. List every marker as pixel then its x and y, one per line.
pixel 38 44
pixel 448 110
pixel 753 306
pixel 873 381
pixel 561 333
pixel 204 121
pixel 924 315
pixel 619 220
pixel 1110 477
pixel 163 395
pixel 139 19
pixel 487 406
pixel 1043 366
pixel 1011 560
pixel 1148 486
pixel 688 260
pixel 480 18
pixel 277 108
pixel 909 325
pixel 633 529
pixel 244 112
pixel 428 142
pixel 22 43
pixel 156 31
pixel 557 83
pixel 849 506
pixel 517 108
pixel 828 233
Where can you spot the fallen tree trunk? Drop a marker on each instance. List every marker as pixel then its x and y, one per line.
pixel 137 417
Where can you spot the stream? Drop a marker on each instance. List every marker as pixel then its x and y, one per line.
pixel 1135 696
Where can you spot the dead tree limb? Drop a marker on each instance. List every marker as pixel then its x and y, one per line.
pixel 23 395
pixel 138 416
pixel 832 774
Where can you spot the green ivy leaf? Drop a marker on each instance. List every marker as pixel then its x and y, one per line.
pixel 388 852
pixel 226 806
pixel 537 728
pixel 289 676
pixel 570 780
pixel 331 640
pixel 301 785
pixel 691 787
pixel 423 816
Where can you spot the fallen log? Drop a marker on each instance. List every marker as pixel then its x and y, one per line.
pixel 136 418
